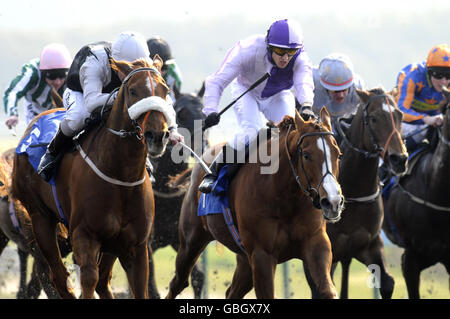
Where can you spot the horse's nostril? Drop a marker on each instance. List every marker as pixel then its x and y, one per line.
pixel 325 203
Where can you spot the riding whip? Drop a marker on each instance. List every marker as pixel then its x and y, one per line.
pixel 198 158
pixel 258 82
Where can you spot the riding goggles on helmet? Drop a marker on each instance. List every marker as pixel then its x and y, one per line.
pixel 55 74
pixel 439 75
pixel 283 51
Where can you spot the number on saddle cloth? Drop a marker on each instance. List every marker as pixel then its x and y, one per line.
pixel 40 135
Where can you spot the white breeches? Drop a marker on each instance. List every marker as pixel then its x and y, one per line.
pixel 76 112
pixel 410 129
pixel 248 112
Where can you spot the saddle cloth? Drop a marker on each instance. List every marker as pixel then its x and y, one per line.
pixel 40 135
pixel 216 202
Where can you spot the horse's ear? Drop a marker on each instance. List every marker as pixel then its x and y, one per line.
pixel 158 62
pixel 363 95
pixel 299 122
pixel 202 91
pixel 121 66
pixel 325 118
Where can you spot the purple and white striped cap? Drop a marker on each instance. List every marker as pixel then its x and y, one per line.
pixel 285 34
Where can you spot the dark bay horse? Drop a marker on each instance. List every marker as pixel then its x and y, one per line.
pixel 188 108
pixel 277 214
pixel 418 210
pixel 15 225
pixel 105 194
pixel 374 133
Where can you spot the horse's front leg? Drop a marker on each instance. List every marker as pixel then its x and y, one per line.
pixel 45 233
pixel 242 279
pixel 103 288
pixel 86 252
pixel 136 268
pixel 318 258
pixel 263 269
pixel 374 255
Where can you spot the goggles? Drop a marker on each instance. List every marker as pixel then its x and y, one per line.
pixel 440 74
pixel 55 74
pixel 282 51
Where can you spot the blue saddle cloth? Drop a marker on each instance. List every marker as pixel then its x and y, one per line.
pixel 42 132
pixel 216 202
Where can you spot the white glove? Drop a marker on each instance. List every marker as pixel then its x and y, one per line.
pixel 435 120
pixel 175 137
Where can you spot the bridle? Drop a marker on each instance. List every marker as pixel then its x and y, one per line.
pixel 138 130
pixel 311 192
pixel 379 151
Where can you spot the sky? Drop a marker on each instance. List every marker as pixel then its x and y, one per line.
pixel 47 14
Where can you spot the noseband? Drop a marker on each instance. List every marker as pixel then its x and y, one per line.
pixel 138 130
pixel 311 192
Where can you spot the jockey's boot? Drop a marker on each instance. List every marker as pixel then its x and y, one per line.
pixel 208 180
pixel 52 155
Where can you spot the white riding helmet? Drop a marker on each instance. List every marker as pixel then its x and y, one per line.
pixel 130 46
pixel 336 72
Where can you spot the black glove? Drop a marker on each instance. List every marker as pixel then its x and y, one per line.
pixel 211 120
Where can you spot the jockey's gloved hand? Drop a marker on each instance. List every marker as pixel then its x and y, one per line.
pixel 175 137
pixel 211 120
pixel 306 111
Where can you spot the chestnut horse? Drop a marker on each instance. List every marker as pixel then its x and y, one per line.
pixel 103 188
pixel 277 214
pixel 418 210
pixel 15 225
pixel 374 133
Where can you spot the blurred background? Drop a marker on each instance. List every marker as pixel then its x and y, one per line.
pixel 381 37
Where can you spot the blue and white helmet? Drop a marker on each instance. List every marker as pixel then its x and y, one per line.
pixel 285 34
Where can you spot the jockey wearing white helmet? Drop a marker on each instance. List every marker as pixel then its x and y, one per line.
pixel 35 83
pixel 96 81
pixel 281 54
pixel 334 86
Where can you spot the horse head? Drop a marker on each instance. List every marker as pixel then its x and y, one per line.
pixel 143 93
pixel 382 122
pixel 317 164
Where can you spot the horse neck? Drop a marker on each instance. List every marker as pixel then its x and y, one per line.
pixel 114 151
pixel 353 161
pixel 438 167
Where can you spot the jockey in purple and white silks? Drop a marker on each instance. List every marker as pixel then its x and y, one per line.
pixel 280 53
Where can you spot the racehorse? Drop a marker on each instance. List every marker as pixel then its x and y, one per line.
pixel 188 108
pixel 374 132
pixel 103 189
pixel 418 210
pixel 15 225
pixel 277 214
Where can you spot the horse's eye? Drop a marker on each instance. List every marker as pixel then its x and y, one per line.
pixel 306 156
pixel 133 92
pixel 373 120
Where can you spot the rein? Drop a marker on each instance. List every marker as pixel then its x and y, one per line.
pixel 309 190
pixel 379 151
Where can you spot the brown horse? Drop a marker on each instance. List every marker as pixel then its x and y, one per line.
pixel 277 215
pixel 375 132
pixel 15 224
pixel 418 209
pixel 105 194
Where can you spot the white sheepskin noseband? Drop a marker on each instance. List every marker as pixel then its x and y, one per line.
pixel 153 103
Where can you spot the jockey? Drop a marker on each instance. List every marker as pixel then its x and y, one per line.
pixel 334 87
pixel 35 82
pixel 170 70
pixel 281 53
pixel 97 80
pixel 420 92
